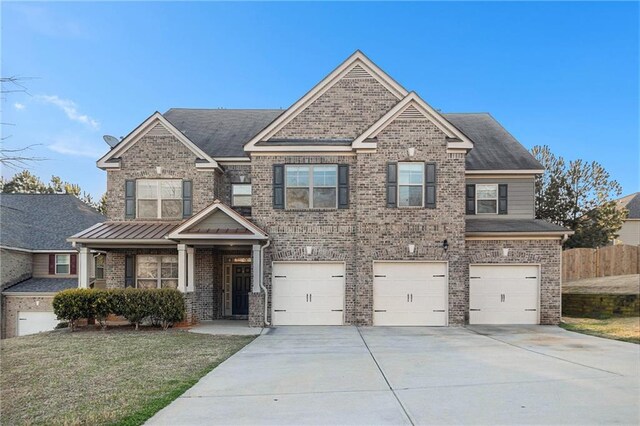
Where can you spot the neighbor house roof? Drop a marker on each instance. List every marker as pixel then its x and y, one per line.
pixel 632 203
pixel 224 132
pixel 494 147
pixel 43 221
pixel 513 226
pixel 42 285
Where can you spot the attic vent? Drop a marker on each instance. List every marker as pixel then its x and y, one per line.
pixel 158 130
pixel 411 113
pixel 358 72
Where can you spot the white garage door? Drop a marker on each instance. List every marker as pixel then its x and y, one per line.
pixel 503 294
pixel 36 322
pixel 409 293
pixel 308 293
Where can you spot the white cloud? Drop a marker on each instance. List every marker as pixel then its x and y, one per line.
pixel 76 147
pixel 19 106
pixel 70 109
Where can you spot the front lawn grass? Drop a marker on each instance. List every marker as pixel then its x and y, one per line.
pixel 625 329
pixel 115 377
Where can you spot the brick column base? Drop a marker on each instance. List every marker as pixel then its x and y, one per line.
pixel 256 309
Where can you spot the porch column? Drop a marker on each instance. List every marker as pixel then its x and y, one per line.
pixel 182 267
pixel 256 263
pixel 84 267
pixel 191 263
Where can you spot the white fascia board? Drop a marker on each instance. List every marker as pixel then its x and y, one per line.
pixel 232 159
pixel 28 294
pixel 38 250
pixel 506 172
pixel 358 58
pixel 141 130
pixel 98 241
pixel 412 99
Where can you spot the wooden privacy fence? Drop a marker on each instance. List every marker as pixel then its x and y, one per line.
pixel 581 263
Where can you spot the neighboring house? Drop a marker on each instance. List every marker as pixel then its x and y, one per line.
pixel 36 259
pixel 359 204
pixel 630 231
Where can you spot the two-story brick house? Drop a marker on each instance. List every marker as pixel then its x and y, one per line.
pixel 359 204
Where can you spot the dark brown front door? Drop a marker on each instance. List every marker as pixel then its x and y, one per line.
pixel 240 291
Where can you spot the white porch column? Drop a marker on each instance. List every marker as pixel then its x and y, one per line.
pixel 182 267
pixel 191 263
pixel 84 267
pixel 256 263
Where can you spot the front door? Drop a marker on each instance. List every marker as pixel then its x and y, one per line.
pixel 241 286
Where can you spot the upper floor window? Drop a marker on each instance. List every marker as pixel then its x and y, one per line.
pixel 411 184
pixel 63 264
pixel 311 186
pixel 486 199
pixel 159 198
pixel 241 195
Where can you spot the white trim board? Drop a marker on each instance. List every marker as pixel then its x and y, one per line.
pixel 356 59
pixel 106 162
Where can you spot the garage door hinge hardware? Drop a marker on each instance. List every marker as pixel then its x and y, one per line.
pixel 281 276
pixel 280 310
pixel 531 310
pixel 337 276
pixel 474 278
pixel 380 310
pixel 438 276
pixel 475 309
pixel 438 310
pixel 336 310
pixel 380 276
pixel 532 278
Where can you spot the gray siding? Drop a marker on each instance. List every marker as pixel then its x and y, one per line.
pixel 521 196
pixel 630 232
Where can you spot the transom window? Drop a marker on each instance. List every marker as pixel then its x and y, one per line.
pixel 411 184
pixel 159 199
pixel 63 264
pixel 486 199
pixel 241 195
pixel 157 271
pixel 311 187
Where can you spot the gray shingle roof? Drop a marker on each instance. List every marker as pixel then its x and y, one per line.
pixel 43 221
pixel 494 147
pixel 221 132
pixel 43 285
pixel 632 203
pixel 513 225
pixel 224 132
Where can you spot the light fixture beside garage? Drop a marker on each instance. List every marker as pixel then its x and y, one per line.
pixel 505 252
pixel 445 245
pixel 412 248
pixel 309 250
pixel 159 170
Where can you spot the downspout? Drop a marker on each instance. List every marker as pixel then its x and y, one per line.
pixel 261 281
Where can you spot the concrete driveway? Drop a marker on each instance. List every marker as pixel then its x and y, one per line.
pixel 367 375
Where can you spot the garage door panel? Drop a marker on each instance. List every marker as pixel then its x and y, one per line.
pixel 36 322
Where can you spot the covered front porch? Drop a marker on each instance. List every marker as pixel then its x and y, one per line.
pixel 214 258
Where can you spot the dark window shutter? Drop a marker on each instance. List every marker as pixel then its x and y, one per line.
pixel 343 186
pixel 130 199
pixel 278 186
pixel 52 264
pixel 502 198
pixel 392 185
pixel 129 271
pixel 471 199
pixel 73 267
pixel 430 185
pixel 187 198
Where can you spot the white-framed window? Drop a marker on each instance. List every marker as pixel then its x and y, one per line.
pixel 487 199
pixel 157 271
pixel 410 184
pixel 241 195
pixel 99 266
pixel 311 186
pixel 159 198
pixel 63 264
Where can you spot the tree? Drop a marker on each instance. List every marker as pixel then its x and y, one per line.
pixel 580 196
pixel 26 183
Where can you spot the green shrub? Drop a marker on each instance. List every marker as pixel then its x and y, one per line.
pixel 169 307
pixel 101 304
pixel 73 304
pixel 136 305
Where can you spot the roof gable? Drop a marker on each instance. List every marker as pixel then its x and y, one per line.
pixel 355 67
pixel 155 125
pixel 632 203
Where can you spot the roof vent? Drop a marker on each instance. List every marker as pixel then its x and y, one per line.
pixel 358 72
pixel 411 113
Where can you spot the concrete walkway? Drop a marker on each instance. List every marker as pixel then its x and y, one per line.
pixel 228 327
pixel 475 375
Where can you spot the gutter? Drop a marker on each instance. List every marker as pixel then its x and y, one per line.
pixel 261 281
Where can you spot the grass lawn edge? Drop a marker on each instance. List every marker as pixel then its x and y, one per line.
pixel 578 329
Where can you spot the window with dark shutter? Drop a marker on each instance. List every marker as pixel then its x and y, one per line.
pixel 129 271
pixel 392 185
pixel 502 198
pixel 278 186
pixel 52 264
pixel 74 264
pixel 187 198
pixel 430 186
pixel 343 186
pixel 130 199
pixel 471 199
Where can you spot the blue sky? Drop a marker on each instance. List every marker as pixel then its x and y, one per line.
pixel 560 74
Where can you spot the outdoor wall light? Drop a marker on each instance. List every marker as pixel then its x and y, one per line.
pixel 412 152
pixel 445 245
pixel 159 170
pixel 505 252
pixel 412 248
pixel 309 250
pixel 242 178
